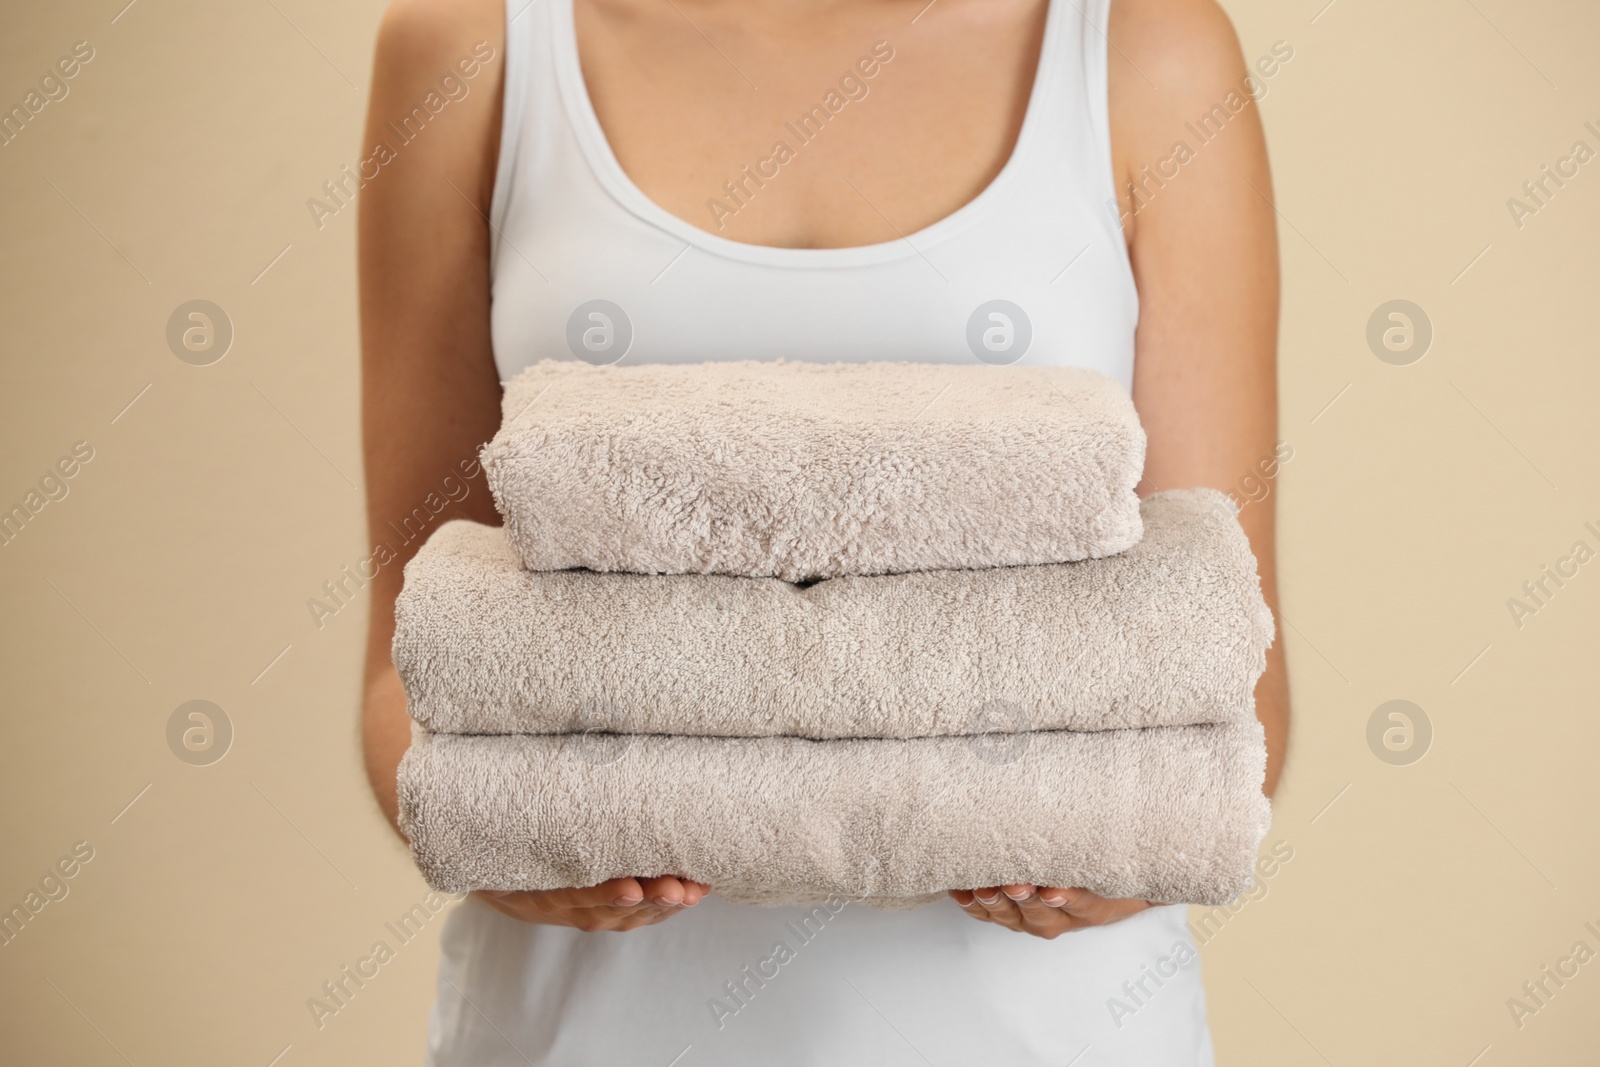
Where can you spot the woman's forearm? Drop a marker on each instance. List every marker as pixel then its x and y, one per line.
pixel 385 733
pixel 1272 708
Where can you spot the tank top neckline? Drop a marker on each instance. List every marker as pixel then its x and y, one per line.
pixel 602 160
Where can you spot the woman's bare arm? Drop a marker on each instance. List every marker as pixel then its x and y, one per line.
pixel 1205 255
pixel 429 392
pixel 429 388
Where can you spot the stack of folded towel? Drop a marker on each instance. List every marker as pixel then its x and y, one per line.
pixel 807 630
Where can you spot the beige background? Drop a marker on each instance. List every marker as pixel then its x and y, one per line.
pixel 1419 898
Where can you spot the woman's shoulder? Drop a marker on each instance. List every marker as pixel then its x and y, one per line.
pixel 1174 43
pixel 430 55
pixel 1170 61
pixel 432 32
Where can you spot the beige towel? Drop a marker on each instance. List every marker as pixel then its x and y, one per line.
pixel 806 470
pixel 1171 814
pixel 1172 632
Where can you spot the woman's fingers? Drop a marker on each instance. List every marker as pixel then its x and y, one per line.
pixel 1041 918
pixel 1037 916
pixel 1024 900
pixel 666 892
pixel 1043 911
pixel 1092 909
pixel 620 892
pixel 616 904
pixel 687 893
pixel 968 899
pixel 997 907
pixel 1054 896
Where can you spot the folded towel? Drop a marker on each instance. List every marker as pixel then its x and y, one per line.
pixel 803 470
pixel 1171 814
pixel 1174 631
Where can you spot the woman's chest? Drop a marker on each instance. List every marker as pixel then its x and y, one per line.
pixel 825 127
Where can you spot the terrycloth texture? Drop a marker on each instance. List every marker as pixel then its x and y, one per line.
pixel 1172 632
pixel 1170 814
pixel 804 470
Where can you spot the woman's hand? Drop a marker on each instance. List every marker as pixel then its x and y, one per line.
pixel 1043 911
pixel 620 904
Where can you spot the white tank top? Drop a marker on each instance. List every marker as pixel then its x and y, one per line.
pixel 1033 270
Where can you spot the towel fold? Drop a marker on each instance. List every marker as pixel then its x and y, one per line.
pixel 1172 632
pixel 1165 814
pixel 804 470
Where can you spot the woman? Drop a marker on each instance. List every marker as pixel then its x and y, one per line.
pixel 811 179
